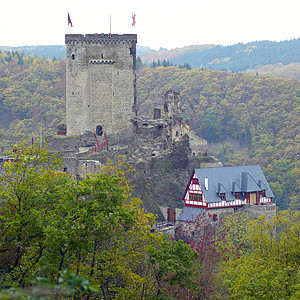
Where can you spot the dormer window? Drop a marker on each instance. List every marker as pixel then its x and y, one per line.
pixel 237 195
pixel 223 196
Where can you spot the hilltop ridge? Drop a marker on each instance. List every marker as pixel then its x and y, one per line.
pixel 239 57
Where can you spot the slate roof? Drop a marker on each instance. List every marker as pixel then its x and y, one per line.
pixel 229 180
pixel 190 214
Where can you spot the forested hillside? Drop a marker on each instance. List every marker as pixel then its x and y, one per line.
pixel 260 113
pixel 47 51
pixel 32 96
pixel 56 51
pixel 236 58
pixel 64 239
pixel 290 71
pixel 239 57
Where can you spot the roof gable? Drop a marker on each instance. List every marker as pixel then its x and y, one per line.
pixel 229 180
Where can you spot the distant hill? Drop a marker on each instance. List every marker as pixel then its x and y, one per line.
pixel 58 51
pixel 290 71
pixel 51 51
pixel 140 50
pixel 236 58
pixel 176 56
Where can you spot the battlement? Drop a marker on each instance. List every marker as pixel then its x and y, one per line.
pixel 100 38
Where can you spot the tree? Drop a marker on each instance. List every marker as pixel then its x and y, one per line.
pixel 29 186
pixel 174 264
pixel 50 223
pixel 139 63
pixel 270 270
pixel 207 235
pixel 210 124
pixel 69 285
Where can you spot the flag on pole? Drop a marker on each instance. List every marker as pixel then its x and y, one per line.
pixel 133 19
pixel 32 139
pixel 69 21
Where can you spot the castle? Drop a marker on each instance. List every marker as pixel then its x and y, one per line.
pixel 100 82
pixel 102 122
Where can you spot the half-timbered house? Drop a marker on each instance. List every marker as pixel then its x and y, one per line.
pixel 212 189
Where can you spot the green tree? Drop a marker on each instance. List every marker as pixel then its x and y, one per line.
pixel 270 270
pixel 139 63
pixel 174 264
pixel 50 223
pixel 210 124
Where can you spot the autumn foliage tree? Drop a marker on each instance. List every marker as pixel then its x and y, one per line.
pixel 270 267
pixel 93 228
pixel 49 223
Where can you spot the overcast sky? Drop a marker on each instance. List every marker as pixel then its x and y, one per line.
pixel 159 23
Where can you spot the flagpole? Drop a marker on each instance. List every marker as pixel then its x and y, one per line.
pixel 110 24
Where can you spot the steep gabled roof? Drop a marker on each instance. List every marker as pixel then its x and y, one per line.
pixel 229 180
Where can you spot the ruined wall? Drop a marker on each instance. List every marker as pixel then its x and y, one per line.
pixel 163 152
pixel 100 82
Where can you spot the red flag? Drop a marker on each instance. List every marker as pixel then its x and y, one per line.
pixel 133 20
pixel 69 21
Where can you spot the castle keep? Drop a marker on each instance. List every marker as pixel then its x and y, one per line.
pixel 100 82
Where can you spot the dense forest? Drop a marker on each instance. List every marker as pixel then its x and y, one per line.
pixel 32 95
pixel 290 71
pixel 260 113
pixel 236 58
pixel 47 51
pixel 56 51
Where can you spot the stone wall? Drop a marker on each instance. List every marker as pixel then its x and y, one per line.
pixel 100 82
pixel 163 152
pixel 253 210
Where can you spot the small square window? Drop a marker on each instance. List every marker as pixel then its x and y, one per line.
pixel 195 181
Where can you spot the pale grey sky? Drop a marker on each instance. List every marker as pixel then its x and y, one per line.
pixel 159 23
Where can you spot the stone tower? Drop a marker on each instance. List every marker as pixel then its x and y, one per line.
pixel 100 82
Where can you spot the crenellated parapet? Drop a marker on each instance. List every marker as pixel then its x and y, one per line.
pixel 100 38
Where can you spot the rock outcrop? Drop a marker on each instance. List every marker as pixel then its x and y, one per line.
pixel 162 150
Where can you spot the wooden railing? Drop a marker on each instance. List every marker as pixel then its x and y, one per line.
pixel 164 224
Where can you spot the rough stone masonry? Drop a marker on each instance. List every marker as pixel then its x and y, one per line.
pixel 101 82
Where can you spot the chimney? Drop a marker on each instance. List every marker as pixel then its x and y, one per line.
pixel 206 183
